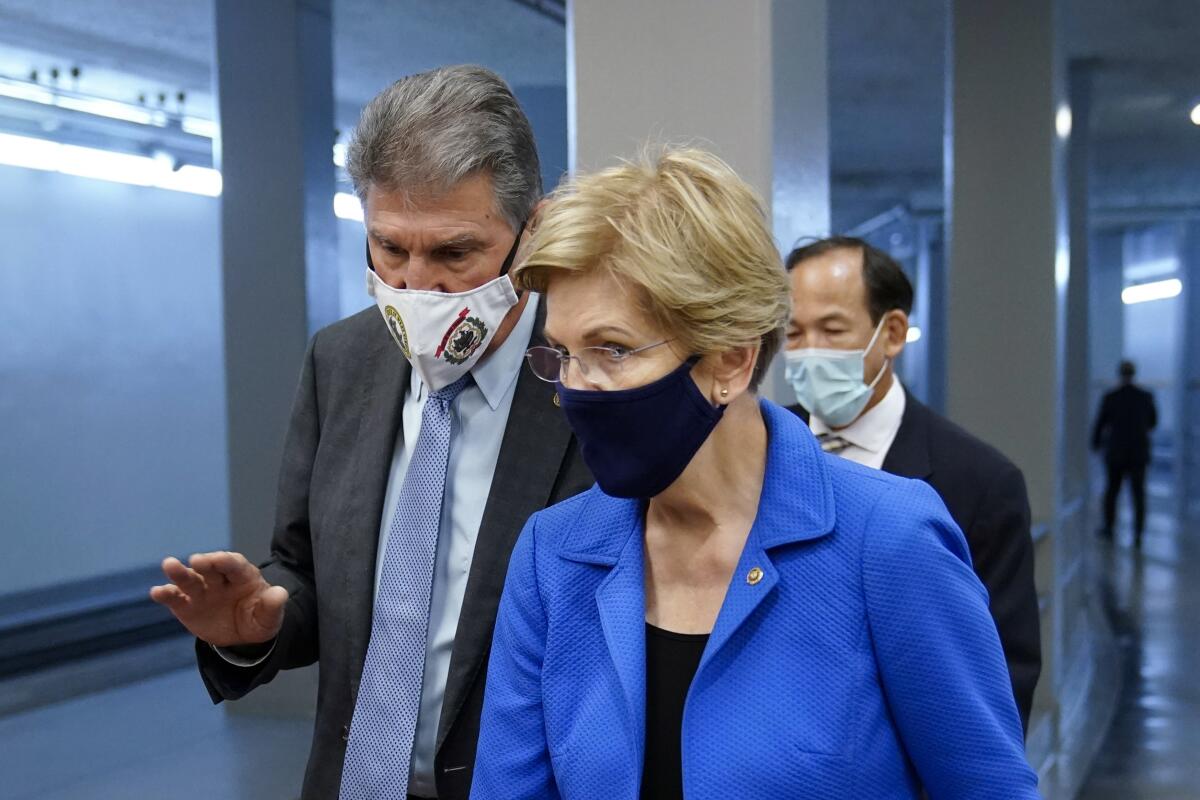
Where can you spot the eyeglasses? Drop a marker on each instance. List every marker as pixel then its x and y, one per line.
pixel 601 363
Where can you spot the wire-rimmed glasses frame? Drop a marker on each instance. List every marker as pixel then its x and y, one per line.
pixel 552 365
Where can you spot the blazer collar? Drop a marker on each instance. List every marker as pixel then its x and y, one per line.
pixel 909 456
pixel 796 501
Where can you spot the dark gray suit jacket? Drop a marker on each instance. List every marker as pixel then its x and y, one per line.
pixel 985 494
pixel 332 482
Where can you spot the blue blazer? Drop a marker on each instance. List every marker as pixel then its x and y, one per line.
pixel 862 665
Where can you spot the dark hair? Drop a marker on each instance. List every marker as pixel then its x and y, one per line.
pixel 1127 369
pixel 434 129
pixel 888 288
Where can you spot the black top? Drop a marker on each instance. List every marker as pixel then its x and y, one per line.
pixel 671 663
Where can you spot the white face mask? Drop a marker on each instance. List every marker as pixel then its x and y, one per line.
pixel 830 384
pixel 442 334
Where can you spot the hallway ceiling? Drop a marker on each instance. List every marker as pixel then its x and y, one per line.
pixel 886 74
pixel 886 118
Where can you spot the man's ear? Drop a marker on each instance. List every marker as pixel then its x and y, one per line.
pixel 895 332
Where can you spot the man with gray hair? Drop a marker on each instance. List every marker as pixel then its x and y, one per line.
pixel 417 449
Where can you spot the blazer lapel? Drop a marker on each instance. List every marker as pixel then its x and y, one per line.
pixel 795 505
pixel 531 455
pixel 387 376
pixel 908 456
pixel 754 578
pixel 621 600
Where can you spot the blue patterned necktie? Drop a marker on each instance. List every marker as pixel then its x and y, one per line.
pixel 385 715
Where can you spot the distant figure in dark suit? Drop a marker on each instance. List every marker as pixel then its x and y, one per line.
pixel 850 306
pixel 1127 415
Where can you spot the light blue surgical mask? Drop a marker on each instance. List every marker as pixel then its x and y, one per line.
pixel 830 384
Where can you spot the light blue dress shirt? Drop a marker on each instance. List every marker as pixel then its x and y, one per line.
pixel 480 416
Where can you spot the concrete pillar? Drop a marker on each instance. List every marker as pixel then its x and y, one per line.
pixel 1107 313
pixel 1017 354
pixel 1106 323
pixel 1004 233
pixel 1187 440
pixel 1075 411
pixel 274 86
pixel 748 80
pixel 929 309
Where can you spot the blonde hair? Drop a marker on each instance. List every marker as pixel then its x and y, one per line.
pixel 687 233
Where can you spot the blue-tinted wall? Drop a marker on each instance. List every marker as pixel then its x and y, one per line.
pixel 112 406
pixel 112 386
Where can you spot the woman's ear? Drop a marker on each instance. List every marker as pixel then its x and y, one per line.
pixel 732 371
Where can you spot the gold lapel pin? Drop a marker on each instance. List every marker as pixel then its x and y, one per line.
pixel 754 576
pixel 557 402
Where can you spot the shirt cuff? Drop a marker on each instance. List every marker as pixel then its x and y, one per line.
pixel 243 661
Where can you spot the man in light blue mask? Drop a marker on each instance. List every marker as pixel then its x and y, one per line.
pixel 849 324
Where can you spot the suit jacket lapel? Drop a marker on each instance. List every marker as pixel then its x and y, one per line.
pixel 621 599
pixel 795 505
pixel 531 455
pixel 908 456
pixel 386 381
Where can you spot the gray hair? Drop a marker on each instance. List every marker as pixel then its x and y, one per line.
pixel 432 130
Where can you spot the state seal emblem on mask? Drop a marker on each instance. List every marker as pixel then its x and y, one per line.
pixel 396 326
pixel 462 338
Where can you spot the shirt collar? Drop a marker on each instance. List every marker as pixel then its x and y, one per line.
pixel 874 430
pixel 494 374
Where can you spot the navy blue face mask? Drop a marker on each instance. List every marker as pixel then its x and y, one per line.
pixel 638 441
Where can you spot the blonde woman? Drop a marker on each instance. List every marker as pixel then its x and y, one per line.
pixel 729 612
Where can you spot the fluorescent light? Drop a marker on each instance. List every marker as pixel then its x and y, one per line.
pixel 1146 292
pixel 914 334
pixel 339 154
pixel 346 206
pixel 1062 122
pixel 113 110
pixel 199 127
pixel 193 180
pixel 26 91
pixel 105 165
pixel 136 170
pixel 1196 114
pixel 102 107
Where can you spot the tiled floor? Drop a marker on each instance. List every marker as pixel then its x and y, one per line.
pixel 1153 748
pixel 158 738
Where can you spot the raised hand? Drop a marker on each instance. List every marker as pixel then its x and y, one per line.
pixel 222 599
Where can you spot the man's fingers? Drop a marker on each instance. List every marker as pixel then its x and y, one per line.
pixel 267 611
pixel 224 567
pixel 234 567
pixel 170 596
pixel 182 576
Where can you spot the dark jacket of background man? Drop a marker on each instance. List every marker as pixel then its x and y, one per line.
pixel 985 494
pixel 1122 430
